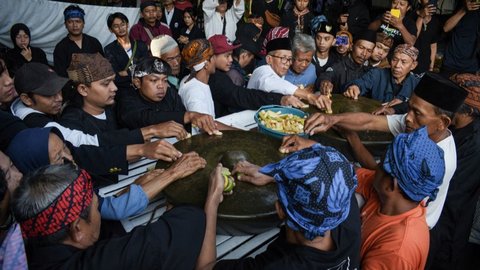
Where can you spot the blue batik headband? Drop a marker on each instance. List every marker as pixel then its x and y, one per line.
pixel 315 188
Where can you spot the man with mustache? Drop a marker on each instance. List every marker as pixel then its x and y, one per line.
pixel 394 85
pixel 433 104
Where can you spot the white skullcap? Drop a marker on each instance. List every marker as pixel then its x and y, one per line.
pixel 162 44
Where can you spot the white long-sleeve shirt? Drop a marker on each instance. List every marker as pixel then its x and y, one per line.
pixel 213 20
pixel 264 78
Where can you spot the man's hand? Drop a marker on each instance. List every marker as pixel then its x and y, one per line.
pixel 396 22
pixel 215 186
pixel 170 129
pixel 160 149
pixel 292 101
pixel 248 172
pixel 322 102
pixel 386 17
pixel 294 143
pixel 187 165
pixel 27 53
pixel 471 6
pixel 326 87
pixel 318 122
pixel 203 121
pixel 427 10
pixel 352 92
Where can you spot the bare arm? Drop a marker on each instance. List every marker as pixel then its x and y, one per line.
pixel 433 53
pixel 208 253
pixel 453 21
pixel 353 121
pixel 407 36
pixel 183 167
pixel 360 152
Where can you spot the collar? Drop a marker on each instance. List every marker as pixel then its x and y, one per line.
pixel 20 110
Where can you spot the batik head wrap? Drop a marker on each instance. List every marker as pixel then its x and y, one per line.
pixel 315 188
pixel 196 53
pixel 88 67
pixel 150 65
pixel 64 210
pixel 417 163
pixel 408 50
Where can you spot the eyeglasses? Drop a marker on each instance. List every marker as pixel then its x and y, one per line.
pixel 283 59
pixel 118 26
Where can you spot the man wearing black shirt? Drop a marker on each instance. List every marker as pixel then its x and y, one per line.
pixel 75 42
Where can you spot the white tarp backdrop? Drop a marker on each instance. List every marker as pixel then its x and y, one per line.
pixel 46 23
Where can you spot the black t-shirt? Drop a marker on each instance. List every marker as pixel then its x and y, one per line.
pixel 283 255
pixel 461 52
pixel 62 55
pixel 409 24
pixel 134 111
pixel 429 34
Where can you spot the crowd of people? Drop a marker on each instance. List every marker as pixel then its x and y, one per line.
pixel 72 126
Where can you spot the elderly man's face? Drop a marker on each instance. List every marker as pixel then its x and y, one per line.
pixel 173 58
pixel 380 52
pixel 362 50
pixel 422 113
pixel 402 64
pixel 7 90
pixel 301 61
pixel 280 61
pixel 75 26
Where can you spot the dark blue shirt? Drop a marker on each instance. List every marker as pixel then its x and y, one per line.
pixel 379 84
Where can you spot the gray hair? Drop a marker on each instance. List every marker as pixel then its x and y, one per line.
pixel 38 190
pixel 303 43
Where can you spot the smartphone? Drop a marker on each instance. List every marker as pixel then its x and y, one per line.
pixel 341 40
pixel 395 12
pixel 432 2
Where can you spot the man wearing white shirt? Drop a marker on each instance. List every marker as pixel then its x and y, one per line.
pixel 270 77
pixel 433 104
pixel 219 20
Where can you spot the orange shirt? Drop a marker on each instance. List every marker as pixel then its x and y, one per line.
pixel 390 242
